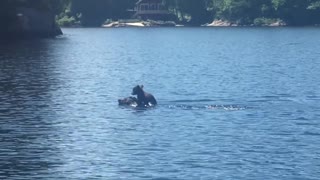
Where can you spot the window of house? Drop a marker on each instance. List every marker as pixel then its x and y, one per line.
pixel 160 7
pixel 153 7
pixel 144 7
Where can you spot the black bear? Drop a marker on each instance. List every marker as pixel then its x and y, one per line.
pixel 129 101
pixel 144 98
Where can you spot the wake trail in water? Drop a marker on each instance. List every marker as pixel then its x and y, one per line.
pixel 206 107
pixel 201 104
pixel 191 101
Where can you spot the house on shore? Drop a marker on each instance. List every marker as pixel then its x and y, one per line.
pixel 152 9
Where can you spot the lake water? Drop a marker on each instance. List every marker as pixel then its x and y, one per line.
pixel 234 103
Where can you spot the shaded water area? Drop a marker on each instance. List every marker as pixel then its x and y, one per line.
pixel 234 103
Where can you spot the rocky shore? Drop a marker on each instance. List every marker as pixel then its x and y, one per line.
pixel 215 23
pixel 223 23
pixel 139 23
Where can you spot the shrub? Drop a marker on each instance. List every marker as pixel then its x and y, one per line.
pixel 266 21
pixel 66 21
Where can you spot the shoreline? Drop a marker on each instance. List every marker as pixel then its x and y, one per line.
pixel 140 23
pixel 171 24
pixel 242 26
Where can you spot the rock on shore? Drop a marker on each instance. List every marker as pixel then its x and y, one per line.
pixel 223 23
pixel 148 23
pixel 220 23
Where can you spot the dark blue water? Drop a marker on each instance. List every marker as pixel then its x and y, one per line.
pixel 234 103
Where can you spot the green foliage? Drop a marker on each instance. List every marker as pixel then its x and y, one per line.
pixel 191 12
pixel 6 15
pixel 94 12
pixel 314 5
pixel 67 21
pixel 293 12
pixel 265 21
pixel 277 3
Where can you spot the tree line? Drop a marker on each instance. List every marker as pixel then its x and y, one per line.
pixel 247 12
pixel 188 12
pixel 197 12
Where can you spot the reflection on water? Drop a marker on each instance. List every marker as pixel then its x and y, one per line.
pixel 28 136
pixel 234 103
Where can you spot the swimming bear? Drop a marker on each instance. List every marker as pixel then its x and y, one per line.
pixel 144 98
pixel 129 101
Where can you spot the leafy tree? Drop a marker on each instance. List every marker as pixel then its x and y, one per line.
pixel 6 15
pixel 192 12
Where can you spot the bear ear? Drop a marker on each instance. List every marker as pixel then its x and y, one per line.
pixel 141 86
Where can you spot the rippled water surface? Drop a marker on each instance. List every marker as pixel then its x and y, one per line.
pixel 234 103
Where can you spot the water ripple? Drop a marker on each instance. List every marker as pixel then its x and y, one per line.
pixel 232 107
